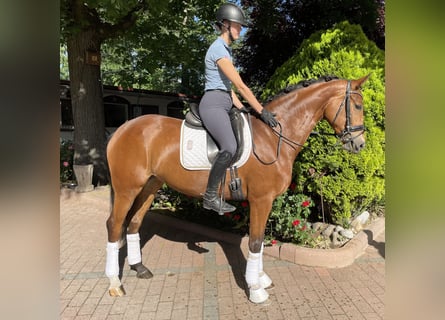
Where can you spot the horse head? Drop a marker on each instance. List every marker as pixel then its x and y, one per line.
pixel 345 115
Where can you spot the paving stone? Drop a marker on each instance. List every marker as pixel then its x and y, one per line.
pixel 199 277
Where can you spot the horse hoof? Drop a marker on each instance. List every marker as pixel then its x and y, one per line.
pixel 257 294
pixel 117 292
pixel 141 271
pixel 266 281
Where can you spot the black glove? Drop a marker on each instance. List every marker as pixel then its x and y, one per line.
pixel 268 118
pixel 244 109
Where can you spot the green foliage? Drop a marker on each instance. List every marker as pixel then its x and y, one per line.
pixel 278 28
pixel 190 209
pixel 348 183
pixel 288 219
pixel 165 50
pixel 66 161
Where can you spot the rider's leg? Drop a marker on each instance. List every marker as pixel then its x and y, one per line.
pixel 211 199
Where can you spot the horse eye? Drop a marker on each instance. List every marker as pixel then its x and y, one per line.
pixel 358 106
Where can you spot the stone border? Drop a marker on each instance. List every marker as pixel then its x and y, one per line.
pixel 331 258
pixel 328 258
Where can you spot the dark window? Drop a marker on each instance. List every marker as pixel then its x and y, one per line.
pixel 66 115
pixel 141 109
pixel 116 111
pixel 175 109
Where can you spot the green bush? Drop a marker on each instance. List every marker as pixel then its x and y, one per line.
pixel 347 183
pixel 66 161
pixel 288 221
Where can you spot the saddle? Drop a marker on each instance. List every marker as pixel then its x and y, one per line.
pixel 193 119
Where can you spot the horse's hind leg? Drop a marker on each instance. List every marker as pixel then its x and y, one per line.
pixel 140 207
pixel 125 207
pixel 121 206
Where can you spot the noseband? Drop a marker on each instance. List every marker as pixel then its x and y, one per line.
pixel 346 134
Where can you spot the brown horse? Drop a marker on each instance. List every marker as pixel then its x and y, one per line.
pixel 144 153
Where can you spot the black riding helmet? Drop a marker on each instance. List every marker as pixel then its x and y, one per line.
pixel 230 12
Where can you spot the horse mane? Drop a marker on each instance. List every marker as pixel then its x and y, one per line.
pixel 301 84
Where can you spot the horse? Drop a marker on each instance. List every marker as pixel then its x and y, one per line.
pixel 144 153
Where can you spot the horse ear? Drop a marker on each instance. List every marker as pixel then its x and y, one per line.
pixel 357 84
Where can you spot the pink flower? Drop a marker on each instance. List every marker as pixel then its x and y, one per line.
pixel 244 204
pixel 273 242
pixel 66 163
pixel 306 203
pixel 296 222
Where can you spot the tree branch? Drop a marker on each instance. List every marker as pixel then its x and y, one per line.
pixel 107 30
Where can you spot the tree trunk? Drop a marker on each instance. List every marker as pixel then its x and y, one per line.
pixel 87 103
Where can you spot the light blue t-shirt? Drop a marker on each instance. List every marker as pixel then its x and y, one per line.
pixel 215 78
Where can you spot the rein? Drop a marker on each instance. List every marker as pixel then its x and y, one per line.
pixel 345 135
pixel 292 143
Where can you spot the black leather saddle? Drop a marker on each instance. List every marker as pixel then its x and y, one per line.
pixel 193 119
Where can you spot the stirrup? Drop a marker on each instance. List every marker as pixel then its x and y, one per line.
pixel 217 205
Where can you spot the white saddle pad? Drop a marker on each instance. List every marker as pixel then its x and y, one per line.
pixel 193 147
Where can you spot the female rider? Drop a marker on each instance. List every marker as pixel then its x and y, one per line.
pixel 218 99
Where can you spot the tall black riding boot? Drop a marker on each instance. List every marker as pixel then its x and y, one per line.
pixel 211 199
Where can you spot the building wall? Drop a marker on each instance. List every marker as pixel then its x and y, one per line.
pixel 123 105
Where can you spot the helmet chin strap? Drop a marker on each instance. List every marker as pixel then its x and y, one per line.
pixel 230 31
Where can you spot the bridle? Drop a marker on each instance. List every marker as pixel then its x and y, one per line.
pixel 345 136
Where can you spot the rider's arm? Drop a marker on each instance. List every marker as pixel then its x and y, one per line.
pixel 229 70
pixel 236 101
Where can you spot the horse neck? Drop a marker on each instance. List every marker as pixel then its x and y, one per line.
pixel 299 111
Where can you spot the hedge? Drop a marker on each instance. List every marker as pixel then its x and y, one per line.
pixel 348 183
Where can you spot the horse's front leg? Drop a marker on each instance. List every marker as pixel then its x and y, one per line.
pixel 256 279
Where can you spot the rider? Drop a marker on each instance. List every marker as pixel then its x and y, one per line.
pixel 220 75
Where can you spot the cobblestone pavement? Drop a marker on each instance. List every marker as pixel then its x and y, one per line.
pixel 196 277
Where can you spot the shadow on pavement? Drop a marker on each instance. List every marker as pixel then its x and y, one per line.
pixel 150 227
pixel 380 246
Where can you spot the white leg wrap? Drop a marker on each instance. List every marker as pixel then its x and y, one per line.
pixel 260 264
pixel 134 248
pixel 257 294
pixel 112 266
pixel 252 269
pixel 265 280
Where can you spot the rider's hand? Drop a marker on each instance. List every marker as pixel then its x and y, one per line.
pixel 244 109
pixel 268 118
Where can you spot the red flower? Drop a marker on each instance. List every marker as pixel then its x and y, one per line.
pixel 292 186
pixel 296 222
pixel 306 203
pixel 273 242
pixel 244 204
pixel 236 217
pixel 227 214
pixel 303 228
